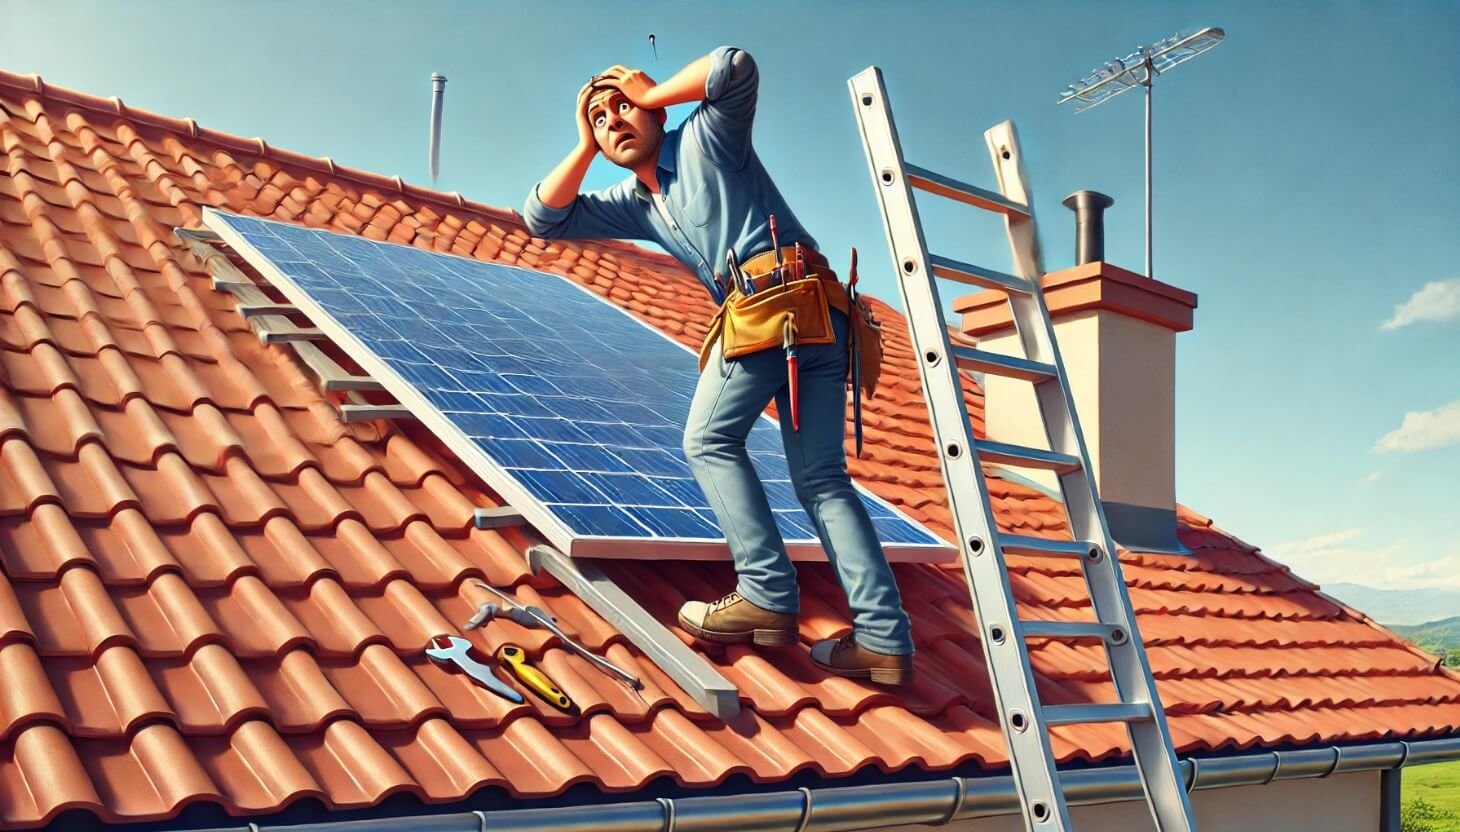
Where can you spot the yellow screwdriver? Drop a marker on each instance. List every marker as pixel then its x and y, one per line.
pixel 514 658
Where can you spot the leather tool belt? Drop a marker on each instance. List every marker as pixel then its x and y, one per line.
pixel 747 324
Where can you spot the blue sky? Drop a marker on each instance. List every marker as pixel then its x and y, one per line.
pixel 1305 185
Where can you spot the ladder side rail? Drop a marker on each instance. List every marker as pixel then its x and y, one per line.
pixel 1031 758
pixel 1154 752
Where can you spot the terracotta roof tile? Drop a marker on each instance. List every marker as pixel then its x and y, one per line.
pixel 215 590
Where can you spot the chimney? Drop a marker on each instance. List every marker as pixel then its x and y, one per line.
pixel 438 94
pixel 1116 332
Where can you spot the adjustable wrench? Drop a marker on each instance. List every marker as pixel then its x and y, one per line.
pixel 455 650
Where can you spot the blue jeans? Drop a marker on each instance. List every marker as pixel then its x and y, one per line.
pixel 730 396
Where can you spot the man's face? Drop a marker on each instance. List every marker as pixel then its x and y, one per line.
pixel 626 134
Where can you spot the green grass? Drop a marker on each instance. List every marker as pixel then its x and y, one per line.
pixel 1432 797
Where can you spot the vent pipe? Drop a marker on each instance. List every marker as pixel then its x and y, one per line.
pixel 1089 208
pixel 438 93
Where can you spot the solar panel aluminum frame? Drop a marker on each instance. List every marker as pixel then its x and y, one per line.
pixel 503 481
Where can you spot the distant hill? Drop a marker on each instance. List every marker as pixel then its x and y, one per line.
pixel 1439 637
pixel 1398 606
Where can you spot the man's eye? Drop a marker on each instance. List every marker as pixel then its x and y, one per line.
pixel 623 106
pixel 598 121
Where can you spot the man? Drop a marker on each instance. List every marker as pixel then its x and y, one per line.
pixel 700 191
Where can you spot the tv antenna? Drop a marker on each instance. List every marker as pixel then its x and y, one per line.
pixel 1139 69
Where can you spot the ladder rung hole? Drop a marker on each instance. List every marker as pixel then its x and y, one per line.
pixel 954 450
pixel 1093 555
pixel 996 634
pixel 1040 810
pixel 866 99
pixel 1004 151
pixel 931 356
pixel 975 545
pixel 888 177
pixel 1017 721
pixel 1117 636
pixel 909 265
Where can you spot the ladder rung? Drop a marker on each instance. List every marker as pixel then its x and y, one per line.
pixel 1025 457
pixel 1069 629
pixel 1090 714
pixel 977 275
pixel 1010 366
pixel 945 186
pixel 1018 544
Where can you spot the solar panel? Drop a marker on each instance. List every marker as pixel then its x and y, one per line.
pixel 565 404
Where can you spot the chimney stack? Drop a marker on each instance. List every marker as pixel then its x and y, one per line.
pixel 1116 332
pixel 438 93
pixel 1089 208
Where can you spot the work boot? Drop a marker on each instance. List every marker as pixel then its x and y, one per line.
pixel 845 657
pixel 734 620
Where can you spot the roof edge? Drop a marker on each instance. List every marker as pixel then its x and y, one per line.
pixel 918 802
pixel 114 107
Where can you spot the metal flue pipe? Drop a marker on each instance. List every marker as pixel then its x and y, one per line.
pixel 438 93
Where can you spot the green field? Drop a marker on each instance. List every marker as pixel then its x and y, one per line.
pixel 1432 797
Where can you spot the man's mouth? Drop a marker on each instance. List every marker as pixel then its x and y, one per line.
pixel 621 140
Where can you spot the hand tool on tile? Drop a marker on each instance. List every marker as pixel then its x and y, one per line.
pixel 514 658
pixel 1023 714
pixel 454 650
pixel 788 340
pixel 856 351
pixel 547 622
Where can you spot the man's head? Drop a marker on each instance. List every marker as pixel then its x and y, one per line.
pixel 626 134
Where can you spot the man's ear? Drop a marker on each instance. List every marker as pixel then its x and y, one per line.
pixel 662 115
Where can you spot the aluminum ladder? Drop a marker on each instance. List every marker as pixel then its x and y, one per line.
pixel 1024 720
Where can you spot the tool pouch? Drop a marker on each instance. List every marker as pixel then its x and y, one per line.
pixel 749 324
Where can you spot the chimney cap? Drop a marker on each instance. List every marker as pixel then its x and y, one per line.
pixel 1084 199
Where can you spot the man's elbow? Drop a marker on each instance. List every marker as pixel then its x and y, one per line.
pixel 742 65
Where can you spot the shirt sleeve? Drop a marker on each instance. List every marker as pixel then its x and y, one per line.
pixel 596 215
pixel 721 125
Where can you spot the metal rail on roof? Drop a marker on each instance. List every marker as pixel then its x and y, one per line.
pixel 267 318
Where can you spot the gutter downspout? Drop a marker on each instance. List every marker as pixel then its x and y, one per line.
pixel 933 802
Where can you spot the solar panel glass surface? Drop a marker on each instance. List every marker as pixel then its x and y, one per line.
pixel 564 398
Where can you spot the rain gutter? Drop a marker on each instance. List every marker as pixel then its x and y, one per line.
pixel 935 802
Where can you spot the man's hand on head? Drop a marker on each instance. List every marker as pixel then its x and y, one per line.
pixel 586 142
pixel 635 84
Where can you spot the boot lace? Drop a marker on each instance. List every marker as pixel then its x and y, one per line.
pixel 721 604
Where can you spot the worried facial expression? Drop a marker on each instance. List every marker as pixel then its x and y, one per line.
pixel 626 134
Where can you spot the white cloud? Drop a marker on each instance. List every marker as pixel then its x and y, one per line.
pixel 1321 543
pixel 1373 478
pixel 1331 558
pixel 1435 302
pixel 1423 430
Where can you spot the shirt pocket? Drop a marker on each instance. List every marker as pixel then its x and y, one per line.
pixel 699 204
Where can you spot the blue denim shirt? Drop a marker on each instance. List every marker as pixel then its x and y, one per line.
pixel 717 194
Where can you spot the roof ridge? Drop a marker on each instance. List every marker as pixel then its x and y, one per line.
pixel 34 84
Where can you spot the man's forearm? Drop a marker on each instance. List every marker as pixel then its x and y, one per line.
pixel 560 187
pixel 687 85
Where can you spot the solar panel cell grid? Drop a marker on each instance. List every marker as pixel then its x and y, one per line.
pixel 569 400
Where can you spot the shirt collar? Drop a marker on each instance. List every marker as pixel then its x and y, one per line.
pixel 668 161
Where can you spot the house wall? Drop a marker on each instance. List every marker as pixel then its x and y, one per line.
pixel 1344 803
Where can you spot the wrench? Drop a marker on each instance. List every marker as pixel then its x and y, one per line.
pixel 455 650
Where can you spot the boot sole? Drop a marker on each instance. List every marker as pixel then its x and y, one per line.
pixel 893 676
pixel 759 637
